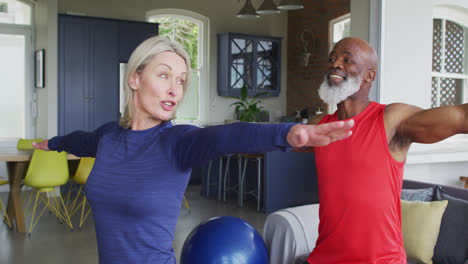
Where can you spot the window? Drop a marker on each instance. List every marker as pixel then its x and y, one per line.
pixel 191 31
pixel 339 28
pixel 15 12
pixel 449 62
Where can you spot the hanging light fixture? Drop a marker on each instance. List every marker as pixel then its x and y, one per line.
pixel 290 5
pixel 268 7
pixel 247 11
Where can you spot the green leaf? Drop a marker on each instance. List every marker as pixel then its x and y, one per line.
pixel 247 108
pixel 244 91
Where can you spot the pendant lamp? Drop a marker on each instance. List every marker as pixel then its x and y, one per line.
pixel 268 7
pixel 290 5
pixel 247 11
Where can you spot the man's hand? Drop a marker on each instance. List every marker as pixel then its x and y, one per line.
pixel 319 135
pixel 41 145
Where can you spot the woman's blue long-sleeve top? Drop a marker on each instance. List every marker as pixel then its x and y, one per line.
pixel 139 178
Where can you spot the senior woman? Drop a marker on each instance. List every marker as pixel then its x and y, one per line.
pixel 143 163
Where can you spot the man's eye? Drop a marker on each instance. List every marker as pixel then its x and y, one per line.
pixel 331 60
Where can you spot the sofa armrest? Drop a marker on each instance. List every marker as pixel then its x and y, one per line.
pixel 290 234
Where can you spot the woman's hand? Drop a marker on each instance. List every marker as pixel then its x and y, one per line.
pixel 44 145
pixel 319 135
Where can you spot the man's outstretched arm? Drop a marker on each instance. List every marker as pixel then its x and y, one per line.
pixel 434 125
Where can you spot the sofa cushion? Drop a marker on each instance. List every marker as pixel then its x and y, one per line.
pixel 452 244
pixel 417 194
pixel 420 222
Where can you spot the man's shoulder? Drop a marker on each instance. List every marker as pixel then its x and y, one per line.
pixel 400 111
pixel 396 116
pixel 401 106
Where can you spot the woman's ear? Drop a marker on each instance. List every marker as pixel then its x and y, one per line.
pixel 134 81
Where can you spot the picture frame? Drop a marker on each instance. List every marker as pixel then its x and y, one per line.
pixel 39 68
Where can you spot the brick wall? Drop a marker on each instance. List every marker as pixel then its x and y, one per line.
pixel 304 82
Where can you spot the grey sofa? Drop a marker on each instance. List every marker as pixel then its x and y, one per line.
pixel 453 191
pixel 290 233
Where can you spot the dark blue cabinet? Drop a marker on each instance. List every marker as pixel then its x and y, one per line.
pixel 290 180
pixel 88 73
pixel 89 52
pixel 131 34
pixel 73 77
pixel 254 61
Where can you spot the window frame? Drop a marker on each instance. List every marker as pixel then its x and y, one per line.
pixel 455 16
pixel 203 56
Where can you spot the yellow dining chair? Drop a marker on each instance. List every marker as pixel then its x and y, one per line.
pixel 27 143
pixel 81 176
pixel 47 170
pixel 3 211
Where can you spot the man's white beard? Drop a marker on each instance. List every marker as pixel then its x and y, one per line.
pixel 332 94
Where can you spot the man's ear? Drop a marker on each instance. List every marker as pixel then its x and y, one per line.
pixel 369 76
pixel 134 81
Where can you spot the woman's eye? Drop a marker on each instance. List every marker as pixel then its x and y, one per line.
pixel 331 60
pixel 163 75
pixel 181 82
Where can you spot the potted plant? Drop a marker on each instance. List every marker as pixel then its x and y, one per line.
pixel 247 109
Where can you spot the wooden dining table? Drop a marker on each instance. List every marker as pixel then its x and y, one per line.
pixel 17 162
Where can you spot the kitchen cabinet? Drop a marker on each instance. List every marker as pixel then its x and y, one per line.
pixel 89 52
pixel 254 61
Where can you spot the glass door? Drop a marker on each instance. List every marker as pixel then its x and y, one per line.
pixel 266 64
pixel 241 63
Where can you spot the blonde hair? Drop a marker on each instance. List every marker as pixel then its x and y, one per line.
pixel 139 59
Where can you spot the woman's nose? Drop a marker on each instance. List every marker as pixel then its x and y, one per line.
pixel 171 92
pixel 172 88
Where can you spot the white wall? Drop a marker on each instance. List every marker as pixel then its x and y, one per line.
pixel 46 38
pixel 222 18
pixel 444 173
pixel 360 22
pixel 407 52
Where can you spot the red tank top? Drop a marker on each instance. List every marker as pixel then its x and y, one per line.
pixel 359 185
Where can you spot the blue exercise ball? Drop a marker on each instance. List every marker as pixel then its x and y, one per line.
pixel 224 239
